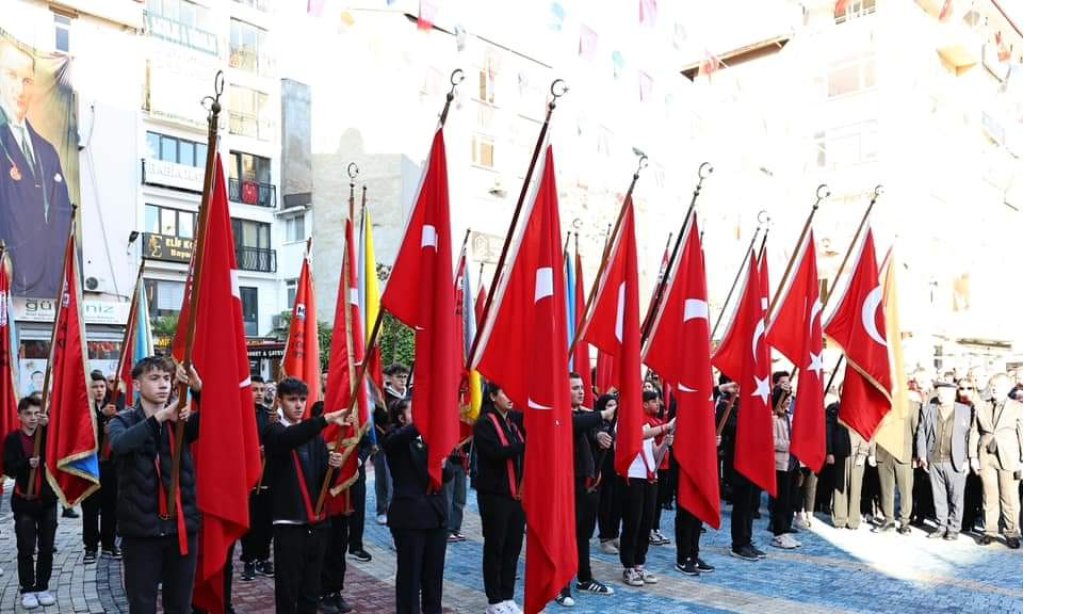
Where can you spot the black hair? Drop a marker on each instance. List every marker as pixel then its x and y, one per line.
pixel 31 400
pixel 397 409
pixel 602 401
pixel 724 379
pixel 292 386
pixel 576 375
pixel 97 376
pixel 257 379
pixel 153 363
pixel 650 395
pixel 396 369
pixel 779 375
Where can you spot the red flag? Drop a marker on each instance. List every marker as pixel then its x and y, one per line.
pixel 613 326
pixel 71 451
pixel 677 350
pixel 177 347
pixel 581 348
pixel 345 354
pixel 9 396
pixel 302 356
pixel 797 331
pixel 745 356
pixel 857 325
pixel 524 348
pixel 420 294
pixel 227 453
pixel 481 302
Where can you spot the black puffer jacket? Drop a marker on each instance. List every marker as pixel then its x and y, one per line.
pixel 136 441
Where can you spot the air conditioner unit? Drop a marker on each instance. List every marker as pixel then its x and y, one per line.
pixel 279 322
pixel 90 283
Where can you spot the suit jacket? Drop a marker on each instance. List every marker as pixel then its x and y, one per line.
pixel 413 507
pixel 999 428
pixel 913 418
pixel 35 212
pixel 926 438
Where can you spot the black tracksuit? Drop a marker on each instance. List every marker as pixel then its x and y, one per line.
pixel 100 507
pixel 35 518
pixel 501 513
pixel 257 543
pixel 587 495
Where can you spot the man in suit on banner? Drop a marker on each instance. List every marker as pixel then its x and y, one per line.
pixel 35 209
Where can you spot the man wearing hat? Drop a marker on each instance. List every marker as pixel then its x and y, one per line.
pixel 941 447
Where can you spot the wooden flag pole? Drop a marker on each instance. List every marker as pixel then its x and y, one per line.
pixel 31 487
pixel 822 192
pixel 214 109
pixel 556 94
pixel 130 334
pixel 705 170
pixel 591 304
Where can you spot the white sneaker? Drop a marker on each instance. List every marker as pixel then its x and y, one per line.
pixel 45 598
pixel 513 608
pixel 646 576
pixel 30 601
pixel 608 547
pixel 496 608
pixel 382 519
pixel 784 541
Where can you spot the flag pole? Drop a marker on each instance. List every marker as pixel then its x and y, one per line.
pixel 660 276
pixel 194 295
pixel 705 170
pixel 130 334
pixel 877 191
pixel 613 230
pixel 822 192
pixel 32 492
pixel 556 94
pixel 456 77
pixel 764 219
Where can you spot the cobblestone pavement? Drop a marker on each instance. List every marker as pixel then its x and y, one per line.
pixel 835 571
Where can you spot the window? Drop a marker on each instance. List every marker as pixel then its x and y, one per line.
pixel 252 234
pixel 179 151
pixel 851 75
pixel 486 92
pixel 247 167
pixel 248 113
pixel 183 23
pixel 169 222
pixel 62 28
pixel 164 297
pixel 295 227
pixel 847 146
pixel 853 9
pixel 483 151
pixel 249 310
pixel 292 292
pixel 248 48
pixel 260 5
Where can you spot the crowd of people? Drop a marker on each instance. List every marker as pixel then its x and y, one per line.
pixel 963 475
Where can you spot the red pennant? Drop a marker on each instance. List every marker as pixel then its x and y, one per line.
pixel 581 349
pixel 302 356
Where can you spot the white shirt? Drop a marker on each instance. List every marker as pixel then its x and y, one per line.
pixel 638 467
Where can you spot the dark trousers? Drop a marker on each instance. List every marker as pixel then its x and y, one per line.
pixel 336 550
pixel 100 512
pixel 609 511
pixel 257 543
pixel 825 489
pixel 383 483
pixel 639 497
pixel 150 560
pixel 300 555
pixel 688 530
pixel 421 557
pixel 666 492
pixel 923 497
pixel 585 510
pixel 456 494
pixel 782 514
pixel 35 529
pixel 741 520
pixel 870 491
pixel 972 501
pixel 503 523
pixel 357 522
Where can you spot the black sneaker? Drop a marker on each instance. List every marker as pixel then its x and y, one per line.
pixel 595 587
pixel 904 530
pixel 249 571
pixel 266 568
pixel 761 554
pixel 69 513
pixel 746 553
pixel 89 556
pixel 687 568
pixel 1013 542
pixel 361 554
pixel 327 605
pixel 703 566
pixel 112 552
pixel 341 605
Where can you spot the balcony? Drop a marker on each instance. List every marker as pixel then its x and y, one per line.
pixel 251 61
pixel 252 193
pixel 259 259
pixel 180 33
pixel 249 124
pixel 261 5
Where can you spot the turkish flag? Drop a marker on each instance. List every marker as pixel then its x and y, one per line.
pixel 796 330
pixel 302 356
pixel 345 356
pixel 857 325
pixel 523 348
pixel 71 451
pixel 581 348
pixel 420 293
pixel 613 326
pixel 227 455
pixel 677 349
pixel 745 356
pixel 9 395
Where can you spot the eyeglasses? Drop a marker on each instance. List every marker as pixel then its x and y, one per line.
pixel 965 389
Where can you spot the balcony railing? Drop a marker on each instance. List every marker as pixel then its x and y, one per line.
pixel 251 125
pixel 259 259
pixel 252 192
pixel 180 33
